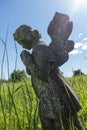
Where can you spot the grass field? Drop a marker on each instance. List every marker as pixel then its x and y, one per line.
pixel 80 86
pixel 19 105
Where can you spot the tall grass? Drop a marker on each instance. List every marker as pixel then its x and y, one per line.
pixel 18 108
pixel 4 53
pixel 79 83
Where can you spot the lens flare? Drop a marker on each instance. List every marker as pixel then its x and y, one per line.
pixel 77 5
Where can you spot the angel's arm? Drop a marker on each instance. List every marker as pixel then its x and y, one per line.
pixel 32 68
pixel 26 58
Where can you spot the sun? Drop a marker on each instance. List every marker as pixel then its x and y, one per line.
pixel 79 3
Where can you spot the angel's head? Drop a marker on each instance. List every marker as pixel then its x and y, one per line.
pixel 26 36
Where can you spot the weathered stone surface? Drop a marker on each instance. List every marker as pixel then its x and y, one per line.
pixel 59 30
pixel 57 101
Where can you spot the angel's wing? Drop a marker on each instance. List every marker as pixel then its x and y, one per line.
pixel 59 30
pixel 68 90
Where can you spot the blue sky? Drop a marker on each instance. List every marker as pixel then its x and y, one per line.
pixel 38 14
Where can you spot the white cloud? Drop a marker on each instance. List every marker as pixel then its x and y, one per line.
pixel 80 34
pixel 80 47
pixel 85 39
pixel 80 52
pixel 78 44
pixel 84 47
pixel 74 52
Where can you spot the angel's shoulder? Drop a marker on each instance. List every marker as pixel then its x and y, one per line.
pixel 42 51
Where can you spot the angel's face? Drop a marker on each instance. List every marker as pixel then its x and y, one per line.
pixel 26 36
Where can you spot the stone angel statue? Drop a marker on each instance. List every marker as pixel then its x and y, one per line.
pixel 58 103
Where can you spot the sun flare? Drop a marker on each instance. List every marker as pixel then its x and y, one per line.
pixel 79 3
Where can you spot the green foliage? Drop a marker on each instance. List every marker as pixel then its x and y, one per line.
pixel 18 106
pixel 18 75
pixel 80 86
pixel 78 72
